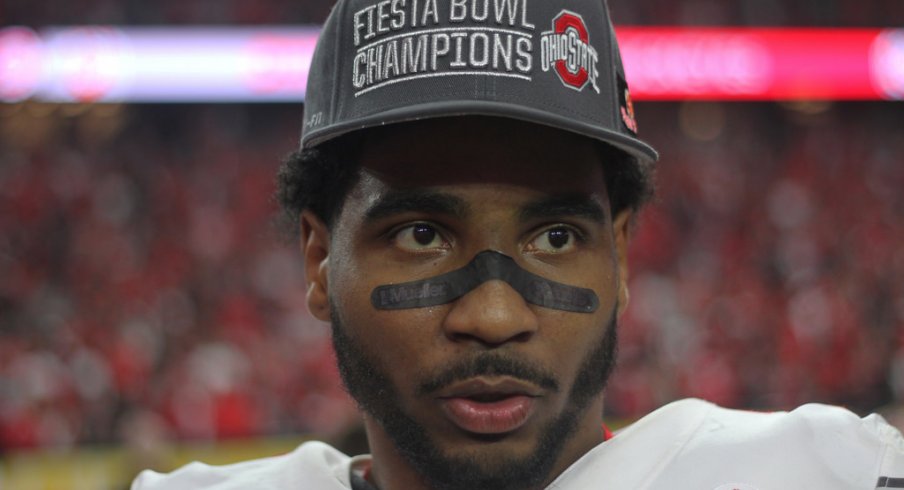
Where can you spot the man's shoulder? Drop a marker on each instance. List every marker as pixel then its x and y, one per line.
pixel 814 446
pixel 807 423
pixel 695 444
pixel 311 465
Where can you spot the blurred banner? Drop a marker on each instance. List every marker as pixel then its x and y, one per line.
pixel 269 64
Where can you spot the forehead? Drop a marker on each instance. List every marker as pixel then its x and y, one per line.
pixel 484 150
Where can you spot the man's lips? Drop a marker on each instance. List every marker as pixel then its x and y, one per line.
pixel 489 405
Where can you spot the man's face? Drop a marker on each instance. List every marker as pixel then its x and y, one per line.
pixel 488 391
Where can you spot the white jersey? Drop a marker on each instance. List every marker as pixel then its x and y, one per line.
pixel 689 444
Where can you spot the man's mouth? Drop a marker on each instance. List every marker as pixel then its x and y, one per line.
pixel 489 405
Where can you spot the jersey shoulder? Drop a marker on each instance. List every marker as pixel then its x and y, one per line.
pixel 311 465
pixel 692 444
pixel 813 446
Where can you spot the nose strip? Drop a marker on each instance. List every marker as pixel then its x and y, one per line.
pixel 485 266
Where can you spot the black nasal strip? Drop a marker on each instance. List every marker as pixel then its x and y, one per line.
pixel 486 266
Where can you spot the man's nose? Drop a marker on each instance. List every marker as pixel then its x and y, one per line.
pixel 492 314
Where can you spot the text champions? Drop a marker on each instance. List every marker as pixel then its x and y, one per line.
pixel 400 40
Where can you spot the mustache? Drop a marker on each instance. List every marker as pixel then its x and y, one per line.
pixel 489 364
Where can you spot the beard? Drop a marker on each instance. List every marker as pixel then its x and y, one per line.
pixel 376 395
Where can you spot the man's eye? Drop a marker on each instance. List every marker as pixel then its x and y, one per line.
pixel 554 240
pixel 419 236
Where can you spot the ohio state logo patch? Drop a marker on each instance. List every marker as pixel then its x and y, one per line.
pixel 566 49
pixel 626 105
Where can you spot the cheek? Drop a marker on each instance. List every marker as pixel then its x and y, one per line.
pixel 599 275
pixel 571 334
pixel 351 287
pixel 605 276
pixel 397 340
pixel 607 290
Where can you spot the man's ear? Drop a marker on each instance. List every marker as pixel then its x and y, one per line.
pixel 315 246
pixel 622 230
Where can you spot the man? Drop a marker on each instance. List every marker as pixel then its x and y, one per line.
pixel 465 190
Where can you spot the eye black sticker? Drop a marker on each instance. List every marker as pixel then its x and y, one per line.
pixel 486 266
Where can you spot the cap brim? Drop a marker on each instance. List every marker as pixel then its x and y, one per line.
pixel 632 146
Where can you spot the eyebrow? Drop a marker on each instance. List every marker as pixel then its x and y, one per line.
pixel 404 201
pixel 578 205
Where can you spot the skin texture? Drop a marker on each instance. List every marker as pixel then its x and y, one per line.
pixel 429 197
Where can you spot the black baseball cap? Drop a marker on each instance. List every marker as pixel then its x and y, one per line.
pixel 551 62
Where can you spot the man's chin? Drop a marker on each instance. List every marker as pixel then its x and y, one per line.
pixel 489 465
pixel 489 450
pixel 522 459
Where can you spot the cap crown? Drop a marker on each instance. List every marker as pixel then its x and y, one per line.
pixel 551 62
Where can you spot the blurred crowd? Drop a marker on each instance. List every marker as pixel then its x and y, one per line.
pixel 768 272
pixel 145 291
pixel 143 284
